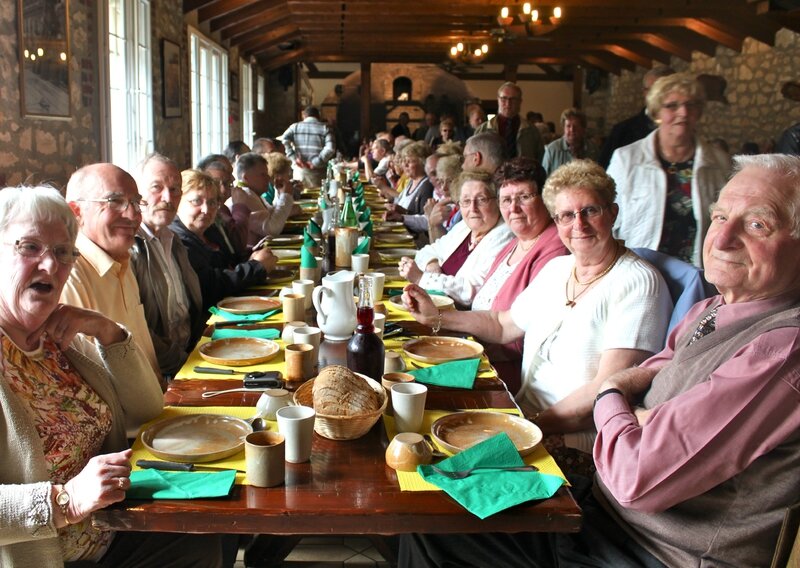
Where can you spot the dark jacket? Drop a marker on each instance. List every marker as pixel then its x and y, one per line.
pixel 153 293
pixel 626 132
pixel 217 279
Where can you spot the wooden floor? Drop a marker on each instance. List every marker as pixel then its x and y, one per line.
pixel 329 552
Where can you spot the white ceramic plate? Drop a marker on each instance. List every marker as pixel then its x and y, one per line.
pixel 196 438
pixel 462 430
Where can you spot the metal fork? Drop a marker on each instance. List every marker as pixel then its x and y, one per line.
pixel 467 472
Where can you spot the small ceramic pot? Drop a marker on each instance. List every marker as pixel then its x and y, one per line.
pixel 288 330
pixel 408 450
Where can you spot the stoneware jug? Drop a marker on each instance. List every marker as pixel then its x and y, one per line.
pixel 336 309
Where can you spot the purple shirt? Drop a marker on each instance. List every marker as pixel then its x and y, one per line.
pixel 710 432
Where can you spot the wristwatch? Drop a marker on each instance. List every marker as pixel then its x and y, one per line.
pixel 62 500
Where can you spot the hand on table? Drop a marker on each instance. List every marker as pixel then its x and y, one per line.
pixel 265 257
pixel 100 483
pixel 409 270
pixel 67 321
pixel 419 305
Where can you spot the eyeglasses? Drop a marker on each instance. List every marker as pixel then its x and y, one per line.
pixel 477 202
pixel 199 201
pixel 566 218
pixel 118 204
pixel 65 254
pixel 690 106
pixel 523 199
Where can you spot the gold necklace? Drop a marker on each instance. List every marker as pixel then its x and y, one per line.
pixel 571 301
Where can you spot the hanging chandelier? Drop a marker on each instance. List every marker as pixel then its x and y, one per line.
pixel 467 53
pixel 536 19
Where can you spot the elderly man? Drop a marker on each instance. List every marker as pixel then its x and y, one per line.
pixel 519 137
pixel 703 472
pixel 572 146
pixel 253 180
pixel 309 144
pixel 107 205
pixel 168 286
pixel 231 226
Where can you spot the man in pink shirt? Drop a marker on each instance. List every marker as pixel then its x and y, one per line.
pixel 698 448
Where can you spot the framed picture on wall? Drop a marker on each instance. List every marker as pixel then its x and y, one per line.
pixel 171 78
pixel 234 95
pixel 44 58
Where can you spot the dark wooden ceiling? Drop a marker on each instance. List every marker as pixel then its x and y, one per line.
pixel 611 35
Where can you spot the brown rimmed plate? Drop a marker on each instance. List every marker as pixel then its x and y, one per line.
pixel 285 240
pixel 441 349
pixel 248 304
pixel 286 254
pixel 391 254
pixel 196 438
pixel 441 302
pixel 239 351
pixel 394 238
pixel 279 276
pixel 462 430
pixel 392 273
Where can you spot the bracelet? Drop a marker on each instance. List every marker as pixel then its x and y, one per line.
pixel 438 325
pixel 604 393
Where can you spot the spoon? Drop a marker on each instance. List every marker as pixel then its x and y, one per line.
pixel 258 424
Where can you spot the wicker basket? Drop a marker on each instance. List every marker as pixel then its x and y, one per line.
pixel 342 427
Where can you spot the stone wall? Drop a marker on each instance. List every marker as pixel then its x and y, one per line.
pixel 35 150
pixel 756 110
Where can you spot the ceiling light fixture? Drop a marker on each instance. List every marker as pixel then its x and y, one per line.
pixel 467 53
pixel 536 19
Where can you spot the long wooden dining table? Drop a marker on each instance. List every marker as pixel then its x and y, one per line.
pixel 346 488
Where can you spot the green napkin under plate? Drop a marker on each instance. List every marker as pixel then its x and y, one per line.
pixel 242 317
pixel 307 259
pixel 308 240
pixel 489 491
pixel 454 374
pixel 363 246
pixel 227 332
pixel 155 484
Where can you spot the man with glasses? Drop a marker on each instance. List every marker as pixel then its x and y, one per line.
pixel 230 227
pixel 168 285
pixel 519 137
pixel 108 207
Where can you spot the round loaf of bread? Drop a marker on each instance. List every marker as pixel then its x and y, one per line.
pixel 337 391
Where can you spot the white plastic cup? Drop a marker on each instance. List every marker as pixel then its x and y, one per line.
pixel 408 402
pixel 359 262
pixel 296 424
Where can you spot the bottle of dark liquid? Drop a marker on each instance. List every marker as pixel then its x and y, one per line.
pixel 329 242
pixel 365 349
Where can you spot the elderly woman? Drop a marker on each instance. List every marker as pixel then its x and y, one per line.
pixel 63 413
pixel 535 243
pixel 583 317
pixel 667 181
pixel 381 152
pixel 458 263
pixel 418 189
pixel 440 210
pixel 279 169
pixel 219 276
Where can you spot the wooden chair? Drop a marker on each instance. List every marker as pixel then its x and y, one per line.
pixel 787 551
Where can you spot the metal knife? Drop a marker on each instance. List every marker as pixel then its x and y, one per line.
pixel 178 466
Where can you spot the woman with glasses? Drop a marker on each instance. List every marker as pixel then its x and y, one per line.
pixel 457 263
pixel 582 318
pixel 219 277
pixel 667 181
pixel 64 412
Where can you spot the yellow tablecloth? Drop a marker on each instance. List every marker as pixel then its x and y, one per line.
pixel 412 481
pixel 235 461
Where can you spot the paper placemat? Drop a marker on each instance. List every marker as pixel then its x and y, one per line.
pixel 235 461
pixel 412 481
pixel 277 363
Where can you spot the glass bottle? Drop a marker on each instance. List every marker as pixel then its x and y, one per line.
pixel 348 218
pixel 365 350
pixel 329 246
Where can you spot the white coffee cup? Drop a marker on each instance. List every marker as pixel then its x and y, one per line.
pixel 408 402
pixel 378 321
pixel 296 423
pixel 376 281
pixel 305 287
pixel 311 336
pixel 359 263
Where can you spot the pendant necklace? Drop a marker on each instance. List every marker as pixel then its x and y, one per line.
pixel 574 276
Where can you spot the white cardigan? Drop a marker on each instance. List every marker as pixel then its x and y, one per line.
pixel 642 192
pixel 470 277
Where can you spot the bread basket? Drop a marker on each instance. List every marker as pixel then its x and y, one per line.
pixel 342 427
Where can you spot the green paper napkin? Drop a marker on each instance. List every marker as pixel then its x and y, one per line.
pixel 455 374
pixel 363 246
pixel 367 229
pixel 155 484
pixel 242 317
pixel 487 492
pixel 399 291
pixel 269 195
pixel 314 228
pixel 307 259
pixel 364 217
pixel 360 203
pixel 226 332
pixel 308 240
pixel 322 203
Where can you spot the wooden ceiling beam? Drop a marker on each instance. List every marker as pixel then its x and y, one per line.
pixel 254 27
pixel 626 53
pixel 253 37
pixel 272 63
pixel 220 7
pixel 710 29
pixel 189 5
pixel 274 37
pixel 647 50
pixel 665 43
pixel 268 9
pixel 594 61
